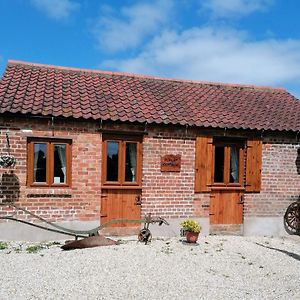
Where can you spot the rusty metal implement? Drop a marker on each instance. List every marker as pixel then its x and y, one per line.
pixel 89 242
pixel 143 236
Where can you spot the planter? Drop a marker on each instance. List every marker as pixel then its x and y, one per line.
pixel 191 229
pixel 7 161
pixel 192 237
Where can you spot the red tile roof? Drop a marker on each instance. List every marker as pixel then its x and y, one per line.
pixel 28 88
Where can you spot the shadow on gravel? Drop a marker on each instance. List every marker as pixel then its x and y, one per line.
pixel 291 254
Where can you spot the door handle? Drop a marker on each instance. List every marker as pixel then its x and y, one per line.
pixel 138 200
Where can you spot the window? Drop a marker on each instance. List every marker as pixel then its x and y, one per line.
pixel 121 161
pixel 49 162
pixel 224 163
pixel 228 163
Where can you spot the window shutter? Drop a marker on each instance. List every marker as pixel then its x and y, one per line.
pixel 253 165
pixel 203 164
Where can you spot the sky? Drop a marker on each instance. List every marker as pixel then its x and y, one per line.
pixel 231 41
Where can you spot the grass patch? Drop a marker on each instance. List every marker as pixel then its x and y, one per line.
pixel 3 245
pixel 34 248
pixel 18 249
pixel 50 244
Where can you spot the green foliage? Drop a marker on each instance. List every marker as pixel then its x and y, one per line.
pixel 34 248
pixel 191 225
pixel 3 245
pixel 50 244
pixel 18 249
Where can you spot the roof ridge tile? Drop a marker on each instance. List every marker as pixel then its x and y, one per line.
pixel 139 76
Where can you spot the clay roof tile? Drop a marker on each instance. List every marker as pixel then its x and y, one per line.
pixel 68 92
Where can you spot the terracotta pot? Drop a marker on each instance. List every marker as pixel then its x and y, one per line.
pixel 192 237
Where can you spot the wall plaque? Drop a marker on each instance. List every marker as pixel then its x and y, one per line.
pixel 170 163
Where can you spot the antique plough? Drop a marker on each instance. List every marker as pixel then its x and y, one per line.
pixel 143 236
pixel 292 218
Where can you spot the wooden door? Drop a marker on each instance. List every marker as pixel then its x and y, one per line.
pixel 119 204
pixel 226 207
pixel 121 183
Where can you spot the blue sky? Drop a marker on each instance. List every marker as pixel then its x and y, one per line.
pixel 232 41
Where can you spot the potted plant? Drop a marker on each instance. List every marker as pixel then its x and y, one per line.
pixel 191 229
pixel 7 161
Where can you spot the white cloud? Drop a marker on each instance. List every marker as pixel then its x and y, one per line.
pixel 56 9
pixel 132 26
pixel 234 8
pixel 223 55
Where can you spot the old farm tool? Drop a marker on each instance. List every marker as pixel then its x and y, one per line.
pixel 144 235
pixel 89 242
pixel 95 241
pixel 292 218
pixel 48 225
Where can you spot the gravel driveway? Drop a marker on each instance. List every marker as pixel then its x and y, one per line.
pixel 226 267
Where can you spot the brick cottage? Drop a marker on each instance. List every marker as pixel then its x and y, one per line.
pixel 92 146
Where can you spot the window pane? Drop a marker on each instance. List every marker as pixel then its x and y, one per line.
pixel 112 161
pixel 219 164
pixel 59 163
pixel 234 164
pixel 39 159
pixel 130 164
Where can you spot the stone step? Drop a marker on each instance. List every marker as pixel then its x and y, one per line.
pixel 226 229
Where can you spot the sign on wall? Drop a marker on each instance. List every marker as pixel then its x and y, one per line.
pixel 170 163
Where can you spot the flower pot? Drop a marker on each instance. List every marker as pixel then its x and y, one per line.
pixel 192 237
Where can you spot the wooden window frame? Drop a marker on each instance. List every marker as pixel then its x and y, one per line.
pixel 250 164
pixel 49 162
pixel 122 141
pixel 226 172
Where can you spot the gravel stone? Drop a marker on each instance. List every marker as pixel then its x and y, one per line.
pixel 227 267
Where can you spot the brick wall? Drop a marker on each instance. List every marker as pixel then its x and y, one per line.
pixel 201 205
pixel 168 194
pixel 81 201
pixel 280 179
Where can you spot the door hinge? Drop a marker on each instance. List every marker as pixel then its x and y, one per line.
pixel 138 200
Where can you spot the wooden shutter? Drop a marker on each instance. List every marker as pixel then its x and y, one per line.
pixel 253 165
pixel 203 164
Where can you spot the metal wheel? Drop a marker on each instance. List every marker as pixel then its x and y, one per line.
pixel 292 218
pixel 145 235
